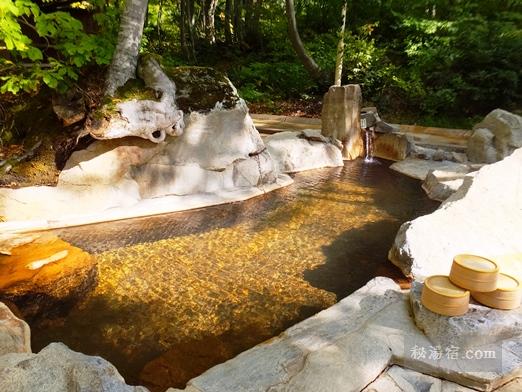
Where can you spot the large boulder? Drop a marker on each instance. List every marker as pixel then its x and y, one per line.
pixel 218 153
pixel 479 326
pixel 15 336
pixel 483 217
pixel 340 118
pixel 495 137
pixel 46 277
pixel 351 344
pixel 303 150
pixel 200 89
pixel 58 369
pixel 220 149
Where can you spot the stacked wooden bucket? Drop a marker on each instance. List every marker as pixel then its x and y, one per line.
pixel 473 276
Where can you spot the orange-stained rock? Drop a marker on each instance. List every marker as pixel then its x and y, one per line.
pixel 45 277
pixel 391 146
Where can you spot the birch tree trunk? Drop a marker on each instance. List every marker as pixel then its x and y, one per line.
pixel 191 26
pixel 308 62
pixel 340 49
pixel 209 12
pixel 125 58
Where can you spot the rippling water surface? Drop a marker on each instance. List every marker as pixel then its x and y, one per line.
pixel 182 292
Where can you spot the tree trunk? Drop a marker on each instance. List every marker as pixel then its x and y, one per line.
pixel 125 58
pixel 160 14
pixel 309 63
pixel 182 28
pixel 191 26
pixel 238 21
pixel 209 11
pixel 340 49
pixel 228 21
pixel 252 19
pixel 186 30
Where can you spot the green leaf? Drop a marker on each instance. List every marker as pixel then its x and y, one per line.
pixel 34 54
pixel 50 80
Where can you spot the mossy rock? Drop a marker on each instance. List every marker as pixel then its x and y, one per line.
pixel 197 89
pixel 133 89
pixel 200 88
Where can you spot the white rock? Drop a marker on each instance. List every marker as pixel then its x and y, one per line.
pixel 344 366
pixel 295 152
pixel 399 379
pixel 412 349
pixel 483 217
pixel 513 386
pixel 148 119
pixel 419 168
pixel 220 151
pixel 15 336
pixel 441 184
pixel 214 140
pixel 479 326
pixel 58 369
pixel 311 353
pixel 107 162
pixel 495 137
pixel 347 346
pixel 144 207
pixel 71 201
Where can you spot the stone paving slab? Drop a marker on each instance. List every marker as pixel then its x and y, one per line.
pixel 348 346
pixel 419 168
pixel 399 379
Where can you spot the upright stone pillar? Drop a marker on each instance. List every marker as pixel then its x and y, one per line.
pixel 340 118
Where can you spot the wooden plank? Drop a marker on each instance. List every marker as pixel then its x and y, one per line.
pixel 433 136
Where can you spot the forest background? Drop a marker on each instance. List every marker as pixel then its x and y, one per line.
pixel 439 62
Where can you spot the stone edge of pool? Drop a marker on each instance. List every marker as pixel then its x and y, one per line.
pixel 147 207
pixel 365 342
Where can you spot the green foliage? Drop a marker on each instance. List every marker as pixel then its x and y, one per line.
pixel 261 81
pixel 433 58
pixel 45 48
pixel 470 64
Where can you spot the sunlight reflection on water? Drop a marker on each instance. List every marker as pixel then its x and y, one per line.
pixel 190 290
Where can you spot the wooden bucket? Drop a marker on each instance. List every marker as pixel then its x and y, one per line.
pixel 441 296
pixel 507 295
pixel 474 273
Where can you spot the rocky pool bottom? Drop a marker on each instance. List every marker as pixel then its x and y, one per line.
pixel 180 293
